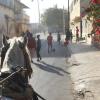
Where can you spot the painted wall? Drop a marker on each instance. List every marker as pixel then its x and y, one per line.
pixel 74 12
pixel 77 9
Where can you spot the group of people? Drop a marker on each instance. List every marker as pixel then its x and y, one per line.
pixel 69 34
pixel 33 45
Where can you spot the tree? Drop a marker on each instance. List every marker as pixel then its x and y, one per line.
pixel 94 12
pixel 53 19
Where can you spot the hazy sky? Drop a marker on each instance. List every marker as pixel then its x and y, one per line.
pixel 44 4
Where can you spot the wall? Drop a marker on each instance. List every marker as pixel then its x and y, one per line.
pixel 74 12
pixel 86 25
pixel 74 9
pixel 22 22
pixel 77 9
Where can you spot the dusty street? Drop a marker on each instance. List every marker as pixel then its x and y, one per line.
pixel 51 78
pixel 85 70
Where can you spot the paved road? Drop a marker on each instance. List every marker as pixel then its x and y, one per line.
pixel 85 70
pixel 51 78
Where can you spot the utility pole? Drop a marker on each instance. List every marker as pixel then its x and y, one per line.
pixel 68 16
pixel 14 14
pixel 68 25
pixel 63 21
pixel 7 22
pixel 38 10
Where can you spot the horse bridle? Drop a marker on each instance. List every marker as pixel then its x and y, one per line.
pixel 3 53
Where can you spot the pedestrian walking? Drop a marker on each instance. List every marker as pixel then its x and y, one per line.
pixel 58 38
pixel 31 44
pixel 77 34
pixel 49 40
pixel 66 42
pixel 71 35
pixel 38 48
pixel 68 35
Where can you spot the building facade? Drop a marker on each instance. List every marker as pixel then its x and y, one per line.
pixel 78 17
pixel 22 19
pixel 74 14
pixel 22 22
pixel 9 9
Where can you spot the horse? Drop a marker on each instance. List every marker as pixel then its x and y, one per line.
pixel 14 55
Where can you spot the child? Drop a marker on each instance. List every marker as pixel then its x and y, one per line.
pixel 49 40
pixel 66 42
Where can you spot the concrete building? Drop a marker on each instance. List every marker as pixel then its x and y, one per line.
pixel 74 14
pixel 78 17
pixel 22 19
pixel 9 9
pixel 22 22
pixel 6 16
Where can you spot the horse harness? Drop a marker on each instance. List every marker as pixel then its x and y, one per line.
pixel 18 83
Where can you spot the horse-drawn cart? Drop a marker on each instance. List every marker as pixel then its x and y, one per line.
pixel 14 84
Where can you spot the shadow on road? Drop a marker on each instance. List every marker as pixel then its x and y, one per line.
pixel 50 68
pixel 60 50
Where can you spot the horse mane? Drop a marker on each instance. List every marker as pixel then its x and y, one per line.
pixel 16 55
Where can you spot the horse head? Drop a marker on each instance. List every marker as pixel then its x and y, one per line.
pixel 15 53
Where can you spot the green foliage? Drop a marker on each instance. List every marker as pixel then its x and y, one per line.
pixel 53 17
pixel 94 12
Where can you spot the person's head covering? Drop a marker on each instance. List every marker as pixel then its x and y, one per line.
pixel 27 30
pixel 76 26
pixel 38 36
pixel 50 33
